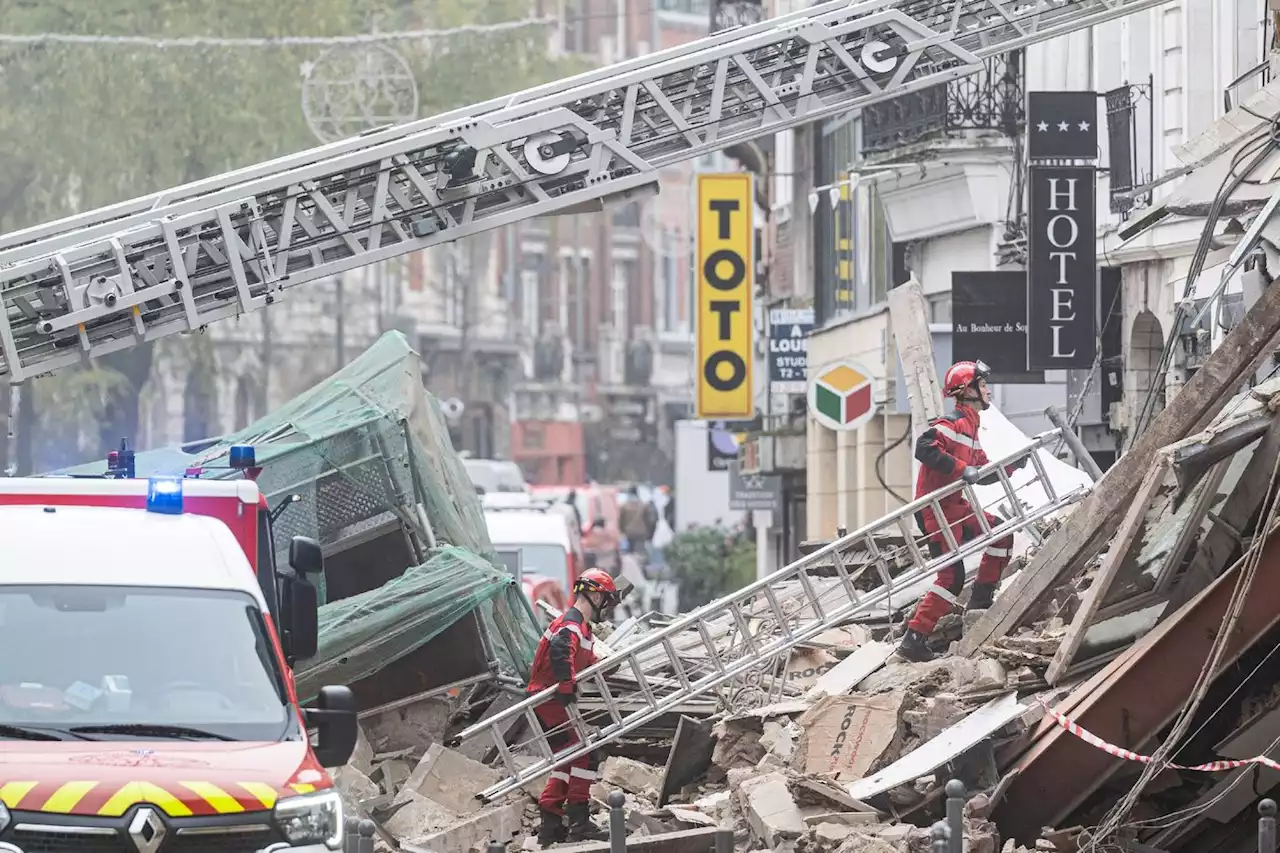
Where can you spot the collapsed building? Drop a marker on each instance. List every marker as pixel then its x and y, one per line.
pixel 781 712
pixel 414 603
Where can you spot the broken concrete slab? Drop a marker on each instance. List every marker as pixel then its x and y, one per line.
pixel 970 731
pixel 682 841
pixel 413 727
pixel 946 673
pixel 853 819
pixel 362 756
pixel 846 736
pixel 738 743
pixel 417 817
pixel 632 776
pixel 392 774
pixel 846 675
pixel 497 824
pixel 772 813
pixel 689 758
pixel 451 779
pixel 780 739
pixel 353 786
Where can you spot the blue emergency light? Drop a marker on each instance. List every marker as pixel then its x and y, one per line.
pixel 241 456
pixel 164 495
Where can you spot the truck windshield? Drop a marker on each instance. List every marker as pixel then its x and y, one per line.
pixel 136 662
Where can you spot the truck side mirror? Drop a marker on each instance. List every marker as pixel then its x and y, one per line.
pixel 304 555
pixel 334 716
pixel 302 633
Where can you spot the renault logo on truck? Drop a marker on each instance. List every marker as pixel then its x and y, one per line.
pixel 147 831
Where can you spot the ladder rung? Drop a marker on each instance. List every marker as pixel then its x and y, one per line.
pixel 784 623
pixel 850 591
pixel 815 601
pixel 677 664
pixel 944 526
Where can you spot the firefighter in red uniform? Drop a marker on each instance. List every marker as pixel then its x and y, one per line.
pixel 948 451
pixel 565 650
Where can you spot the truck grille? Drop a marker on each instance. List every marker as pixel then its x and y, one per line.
pixel 53 841
pixel 43 836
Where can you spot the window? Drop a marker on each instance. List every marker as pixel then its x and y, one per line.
pixel 622 283
pixel 106 656
pixel 530 298
pixel 670 284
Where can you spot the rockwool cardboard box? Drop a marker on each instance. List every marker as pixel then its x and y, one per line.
pixel 844 736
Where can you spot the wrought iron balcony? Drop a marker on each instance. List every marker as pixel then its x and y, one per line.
pixel 992 99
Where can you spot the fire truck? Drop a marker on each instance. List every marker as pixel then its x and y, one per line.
pixel 178 260
pixel 237 503
pixel 147 702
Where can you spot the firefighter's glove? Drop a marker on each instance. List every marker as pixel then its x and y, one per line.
pixel 969 474
pixel 567 697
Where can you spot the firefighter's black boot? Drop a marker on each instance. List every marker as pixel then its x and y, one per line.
pixel 982 596
pixel 580 826
pixel 914 648
pixel 552 829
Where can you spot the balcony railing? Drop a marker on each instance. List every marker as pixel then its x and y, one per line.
pixel 991 99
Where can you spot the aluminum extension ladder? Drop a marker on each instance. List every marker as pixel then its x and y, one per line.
pixel 700 664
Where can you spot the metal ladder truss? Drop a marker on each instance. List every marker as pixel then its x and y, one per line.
pixel 179 260
pixel 757 625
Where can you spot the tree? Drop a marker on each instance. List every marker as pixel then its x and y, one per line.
pixel 708 562
pixel 82 126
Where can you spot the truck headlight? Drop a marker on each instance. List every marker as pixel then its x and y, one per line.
pixel 311 819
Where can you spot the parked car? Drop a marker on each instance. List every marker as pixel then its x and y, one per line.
pixel 546 558
pixel 598 508
pixel 495 475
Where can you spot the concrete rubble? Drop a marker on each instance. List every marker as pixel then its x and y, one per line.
pixel 842 747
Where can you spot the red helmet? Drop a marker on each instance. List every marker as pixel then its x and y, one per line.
pixel 597 580
pixel 963 374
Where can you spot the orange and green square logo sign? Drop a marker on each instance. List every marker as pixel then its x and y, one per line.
pixel 840 396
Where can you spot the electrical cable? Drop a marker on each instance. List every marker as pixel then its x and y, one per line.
pixel 269 41
pixel 1266 140
pixel 1249 565
pixel 880 460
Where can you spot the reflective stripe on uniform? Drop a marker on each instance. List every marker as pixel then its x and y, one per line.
pixel 580 773
pixel 944 593
pixel 959 438
pixel 998 552
pixel 556 774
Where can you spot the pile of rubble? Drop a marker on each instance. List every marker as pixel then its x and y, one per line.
pixel 780 776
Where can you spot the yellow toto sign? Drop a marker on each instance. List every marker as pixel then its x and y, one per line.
pixel 726 243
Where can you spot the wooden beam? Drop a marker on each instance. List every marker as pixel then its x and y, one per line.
pixel 1126 537
pixel 1222 539
pixel 1131 700
pixel 1095 518
pixel 1206 493
pixel 909 319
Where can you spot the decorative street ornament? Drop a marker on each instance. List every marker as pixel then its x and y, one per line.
pixel 352 89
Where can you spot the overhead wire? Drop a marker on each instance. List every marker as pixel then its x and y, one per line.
pixel 1261 145
pixel 175 42
pixel 1249 565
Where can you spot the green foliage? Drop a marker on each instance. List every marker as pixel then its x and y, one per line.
pixel 709 562
pixel 82 126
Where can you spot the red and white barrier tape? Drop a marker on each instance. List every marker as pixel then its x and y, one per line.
pixel 1128 755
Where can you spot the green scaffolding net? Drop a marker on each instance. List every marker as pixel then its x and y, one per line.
pixel 365 457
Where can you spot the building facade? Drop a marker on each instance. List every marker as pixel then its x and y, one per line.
pixel 563 343
pixel 934 183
